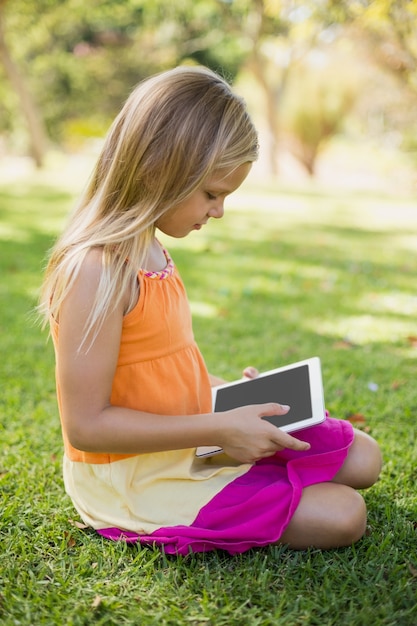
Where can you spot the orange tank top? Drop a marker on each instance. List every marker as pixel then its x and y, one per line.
pixel 160 368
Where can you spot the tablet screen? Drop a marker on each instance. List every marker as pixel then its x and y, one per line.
pixel 290 387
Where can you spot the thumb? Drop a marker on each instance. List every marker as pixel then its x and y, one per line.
pixel 282 438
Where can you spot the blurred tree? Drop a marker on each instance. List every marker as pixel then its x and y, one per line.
pixel 385 31
pixel 279 36
pixel 82 59
pixel 268 32
pixel 85 58
pixel 390 28
pixel 270 38
pixel 28 106
pixel 286 33
pixel 309 126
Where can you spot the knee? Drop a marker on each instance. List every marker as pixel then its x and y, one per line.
pixel 371 462
pixel 352 519
pixel 363 464
pixel 328 516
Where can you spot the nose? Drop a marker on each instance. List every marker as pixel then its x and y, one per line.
pixel 217 211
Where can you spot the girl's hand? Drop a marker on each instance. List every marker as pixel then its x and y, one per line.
pixel 248 438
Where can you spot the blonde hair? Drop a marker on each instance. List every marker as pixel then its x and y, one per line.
pixel 174 131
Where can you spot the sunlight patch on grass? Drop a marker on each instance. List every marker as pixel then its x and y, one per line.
pixel 361 329
pixel 286 279
pixel 367 211
pixel 203 309
pixel 407 242
pixel 10 232
pixel 394 302
pixel 380 215
pixel 267 286
pixel 195 242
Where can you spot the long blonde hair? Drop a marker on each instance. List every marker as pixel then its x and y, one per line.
pixel 175 130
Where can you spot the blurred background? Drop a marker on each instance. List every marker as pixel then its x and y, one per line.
pixel 331 84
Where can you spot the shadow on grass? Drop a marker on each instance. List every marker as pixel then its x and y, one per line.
pixel 262 292
pixel 274 290
pixel 263 296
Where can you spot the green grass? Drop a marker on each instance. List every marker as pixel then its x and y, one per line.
pixel 285 275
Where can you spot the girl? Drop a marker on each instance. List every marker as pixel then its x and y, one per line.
pixel 133 390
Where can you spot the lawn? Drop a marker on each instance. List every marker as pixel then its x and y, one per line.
pixel 287 274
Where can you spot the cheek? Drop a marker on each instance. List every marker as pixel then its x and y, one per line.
pixel 167 218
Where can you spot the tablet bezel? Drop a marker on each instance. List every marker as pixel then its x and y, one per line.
pixel 316 397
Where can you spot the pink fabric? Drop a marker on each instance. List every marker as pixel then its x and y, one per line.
pixel 255 509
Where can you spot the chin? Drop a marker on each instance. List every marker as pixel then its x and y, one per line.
pixel 178 235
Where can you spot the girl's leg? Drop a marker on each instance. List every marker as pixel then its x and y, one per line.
pixel 363 463
pixel 329 515
pixel 333 514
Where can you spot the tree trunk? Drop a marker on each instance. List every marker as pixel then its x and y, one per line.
pixel 256 65
pixel 34 122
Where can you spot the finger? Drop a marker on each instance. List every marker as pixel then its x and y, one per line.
pixel 250 372
pixel 273 408
pixel 287 441
pixel 284 440
pixel 297 444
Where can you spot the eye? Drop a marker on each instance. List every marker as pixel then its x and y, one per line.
pixel 210 196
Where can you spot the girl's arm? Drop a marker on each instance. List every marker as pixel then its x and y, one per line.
pixel 93 425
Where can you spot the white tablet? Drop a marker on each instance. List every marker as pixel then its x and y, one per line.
pixel 299 385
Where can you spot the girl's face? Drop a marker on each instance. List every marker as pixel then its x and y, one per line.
pixel 205 202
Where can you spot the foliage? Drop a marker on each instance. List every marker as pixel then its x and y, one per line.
pixel 390 30
pixel 286 274
pixel 80 61
pixel 84 58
